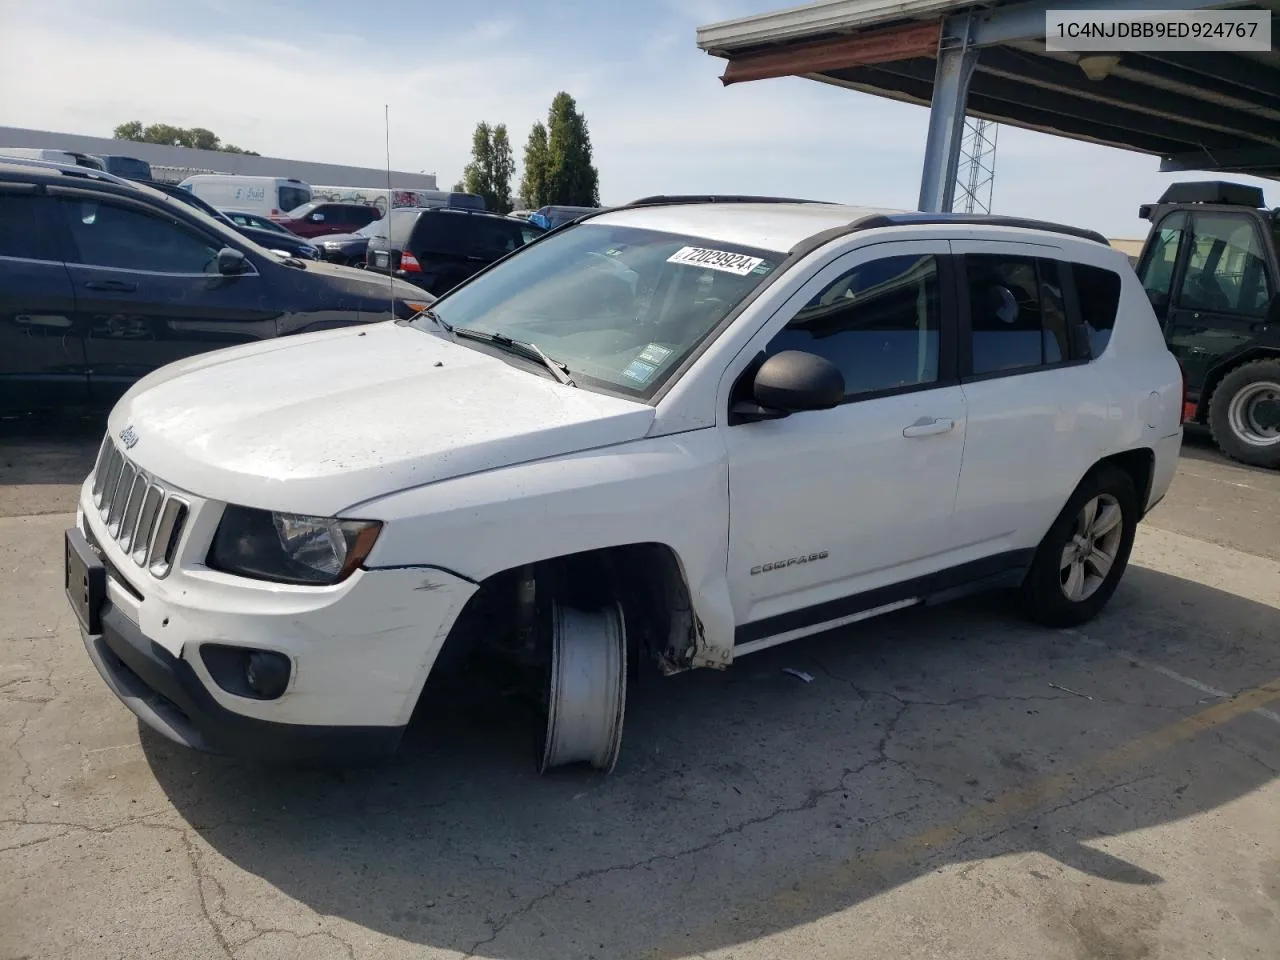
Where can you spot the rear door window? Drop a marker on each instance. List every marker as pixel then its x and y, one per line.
pixel 26 227
pixel 1017 317
pixel 492 238
pixel 443 233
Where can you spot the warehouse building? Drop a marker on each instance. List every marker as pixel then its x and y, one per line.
pixel 173 164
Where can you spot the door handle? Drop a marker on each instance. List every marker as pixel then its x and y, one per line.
pixel 115 286
pixel 929 427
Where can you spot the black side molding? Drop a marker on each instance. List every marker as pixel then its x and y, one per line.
pixel 1000 570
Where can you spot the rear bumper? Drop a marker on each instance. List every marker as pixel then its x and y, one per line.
pixel 165 693
pixel 1167 450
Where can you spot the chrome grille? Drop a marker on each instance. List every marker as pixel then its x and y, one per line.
pixel 142 515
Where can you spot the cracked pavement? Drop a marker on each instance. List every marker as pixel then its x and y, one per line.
pixel 952 782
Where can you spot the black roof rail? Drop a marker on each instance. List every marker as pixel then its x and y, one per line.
pixel 983 219
pixel 66 169
pixel 661 199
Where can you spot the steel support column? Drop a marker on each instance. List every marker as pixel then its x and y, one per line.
pixel 956 60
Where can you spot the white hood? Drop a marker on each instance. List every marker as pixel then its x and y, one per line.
pixel 318 422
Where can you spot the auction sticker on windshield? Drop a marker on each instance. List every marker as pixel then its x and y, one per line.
pixel 736 263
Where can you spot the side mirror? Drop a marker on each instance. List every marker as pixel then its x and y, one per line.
pixel 231 261
pixel 789 382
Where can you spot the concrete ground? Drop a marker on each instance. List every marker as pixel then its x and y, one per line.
pixel 951 783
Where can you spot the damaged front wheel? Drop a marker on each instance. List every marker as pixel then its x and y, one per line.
pixel 587 686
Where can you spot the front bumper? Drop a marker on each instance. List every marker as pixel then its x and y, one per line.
pixel 359 653
pixel 165 693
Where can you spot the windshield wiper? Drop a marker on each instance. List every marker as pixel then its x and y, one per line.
pixel 521 347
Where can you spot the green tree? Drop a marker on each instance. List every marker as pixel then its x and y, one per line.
pixel 533 185
pixel 128 131
pixel 489 172
pixel 166 133
pixel 572 179
pixel 503 168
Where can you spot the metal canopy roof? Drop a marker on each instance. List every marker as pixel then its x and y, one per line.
pixel 1196 111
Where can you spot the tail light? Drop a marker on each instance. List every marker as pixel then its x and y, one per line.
pixel 1188 408
pixel 409 263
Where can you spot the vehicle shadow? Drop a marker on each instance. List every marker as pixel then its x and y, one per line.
pixel 753 800
pixel 49 449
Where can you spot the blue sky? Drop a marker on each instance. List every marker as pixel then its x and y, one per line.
pixel 308 80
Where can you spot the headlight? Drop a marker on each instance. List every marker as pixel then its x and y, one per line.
pixel 286 548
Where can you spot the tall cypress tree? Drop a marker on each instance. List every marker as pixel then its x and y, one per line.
pixel 572 179
pixel 533 185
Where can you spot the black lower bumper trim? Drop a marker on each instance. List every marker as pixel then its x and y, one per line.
pixel 165 694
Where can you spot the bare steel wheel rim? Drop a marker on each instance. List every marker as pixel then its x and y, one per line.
pixel 588 687
pixel 1090 554
pixel 1242 413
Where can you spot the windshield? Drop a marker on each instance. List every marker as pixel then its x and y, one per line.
pixel 297 213
pixel 621 307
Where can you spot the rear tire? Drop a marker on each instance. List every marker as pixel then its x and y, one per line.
pixel 1081 559
pixel 1236 414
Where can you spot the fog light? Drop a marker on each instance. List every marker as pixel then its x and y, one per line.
pixel 267 674
pixel 257 674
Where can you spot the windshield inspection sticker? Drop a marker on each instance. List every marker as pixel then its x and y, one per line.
pixel 654 353
pixel 639 371
pixel 735 263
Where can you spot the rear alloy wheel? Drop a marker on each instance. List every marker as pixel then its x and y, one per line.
pixel 1081 559
pixel 1244 413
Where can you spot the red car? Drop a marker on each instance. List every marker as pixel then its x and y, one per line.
pixel 320 217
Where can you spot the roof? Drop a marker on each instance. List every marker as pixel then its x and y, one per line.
pixel 764 226
pixel 783 225
pixel 1196 111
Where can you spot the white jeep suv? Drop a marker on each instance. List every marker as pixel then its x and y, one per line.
pixel 671 433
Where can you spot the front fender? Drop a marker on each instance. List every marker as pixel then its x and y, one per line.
pixel 670 490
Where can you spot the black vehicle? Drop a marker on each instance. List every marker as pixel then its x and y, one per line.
pixel 281 239
pixel 257 221
pixel 103 280
pixel 348 248
pixel 1211 267
pixel 437 248
pixel 130 168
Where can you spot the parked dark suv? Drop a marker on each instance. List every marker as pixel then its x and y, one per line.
pixel 321 217
pixel 438 248
pixel 103 280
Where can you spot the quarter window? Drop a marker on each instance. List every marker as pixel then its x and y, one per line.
pixel 1098 291
pixel 1226 267
pixel 1016 313
pixel 105 235
pixel 879 323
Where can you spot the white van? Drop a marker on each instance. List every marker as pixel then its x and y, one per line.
pixel 269 196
